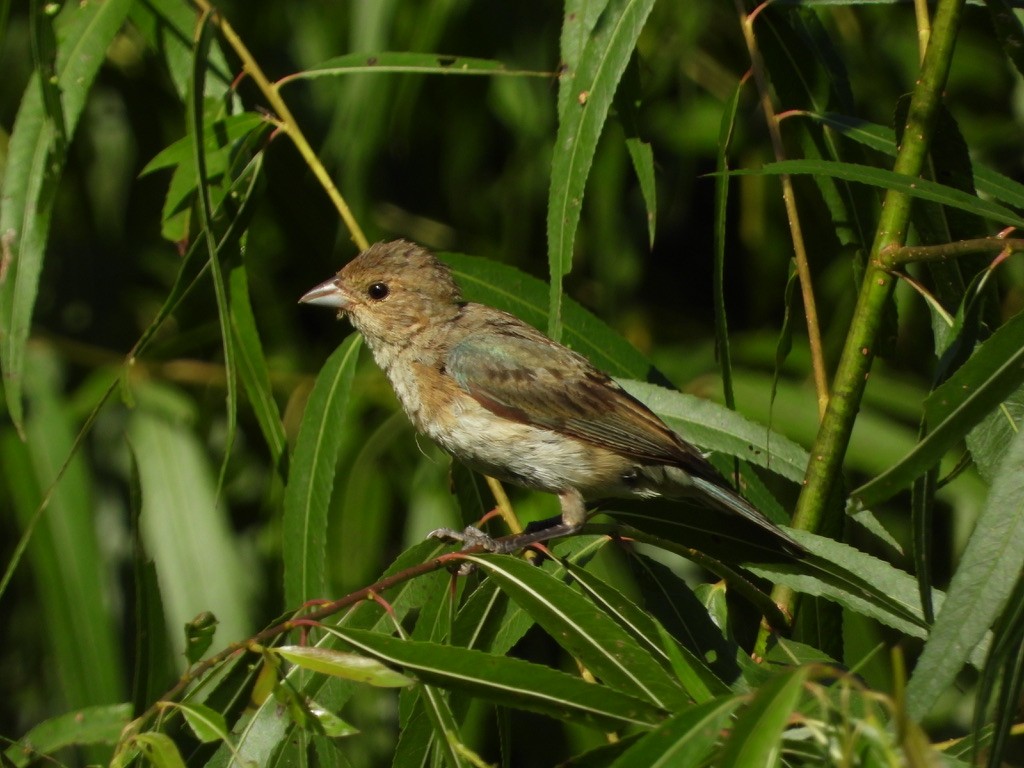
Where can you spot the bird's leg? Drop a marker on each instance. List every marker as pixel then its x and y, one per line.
pixel 574 514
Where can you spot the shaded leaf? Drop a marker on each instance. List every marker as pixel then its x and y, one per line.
pixel 34 161
pixel 591 636
pixel 987 572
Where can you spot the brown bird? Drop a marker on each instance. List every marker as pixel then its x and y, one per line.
pixel 509 402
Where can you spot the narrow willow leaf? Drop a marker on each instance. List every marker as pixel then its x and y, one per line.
pixel 90 725
pixel 722 348
pixel 349 666
pixel 184 527
pixel 909 185
pixel 626 105
pixel 757 736
pixel 33 165
pixel 499 679
pixel 311 476
pixel 1002 678
pixel 218 134
pixel 195 121
pixel 716 428
pixel 66 554
pixel 578 20
pixel 168 27
pixel 685 739
pixel 601 65
pixel 703 659
pixel 1009 30
pixel 993 373
pixel 407 62
pixel 890 595
pixel 253 370
pixel 600 644
pixel 882 139
pixel 695 676
pixel 983 580
pixel 446 730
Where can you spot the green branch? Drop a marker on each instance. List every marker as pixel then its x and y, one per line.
pixel 827 454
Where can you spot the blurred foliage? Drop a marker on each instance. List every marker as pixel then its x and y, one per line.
pixel 175 447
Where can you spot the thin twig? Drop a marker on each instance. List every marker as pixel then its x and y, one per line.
pixel 370 592
pixel 895 256
pixel 789 198
pixel 829 450
pixel 285 120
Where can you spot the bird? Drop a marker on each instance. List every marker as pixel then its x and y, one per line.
pixel 509 402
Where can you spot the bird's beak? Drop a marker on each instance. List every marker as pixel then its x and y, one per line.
pixel 327 294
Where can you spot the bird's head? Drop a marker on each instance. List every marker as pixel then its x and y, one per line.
pixel 390 291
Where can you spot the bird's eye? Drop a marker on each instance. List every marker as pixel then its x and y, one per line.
pixel 378 291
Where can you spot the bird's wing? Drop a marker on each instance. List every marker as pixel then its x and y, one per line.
pixel 516 372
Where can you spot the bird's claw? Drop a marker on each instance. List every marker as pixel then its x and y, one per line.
pixel 470 537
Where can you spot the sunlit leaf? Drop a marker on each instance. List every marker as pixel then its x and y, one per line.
pixel 602 62
pixel 350 666
pixel 311 477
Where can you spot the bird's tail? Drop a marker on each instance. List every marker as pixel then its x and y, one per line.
pixel 730 501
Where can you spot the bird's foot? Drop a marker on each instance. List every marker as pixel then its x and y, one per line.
pixel 470 537
pixel 474 537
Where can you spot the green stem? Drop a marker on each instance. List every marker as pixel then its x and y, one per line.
pixel 911 253
pixel 833 437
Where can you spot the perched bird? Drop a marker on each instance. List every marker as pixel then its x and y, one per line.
pixel 509 402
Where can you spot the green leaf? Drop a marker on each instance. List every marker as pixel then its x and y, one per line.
pixel 311 476
pixel 184 527
pixel 882 139
pixel 199 636
pixel 1008 29
pixel 993 373
pixel 602 63
pixel 407 62
pixel 349 666
pixel 333 726
pixel 716 428
pixel 194 122
pixel 578 21
pixel 34 162
pixel 756 738
pixel 207 724
pixel 220 135
pixel 69 569
pixel 696 678
pixel 853 579
pixel 168 27
pixel 159 749
pixel 601 645
pixel 499 679
pixel 686 739
pixel 884 179
pixel 252 368
pixel 722 347
pixel 91 725
pixel 980 586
